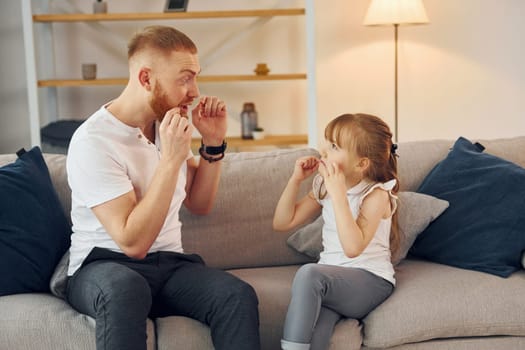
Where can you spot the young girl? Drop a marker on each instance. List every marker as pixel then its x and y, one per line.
pixel 355 190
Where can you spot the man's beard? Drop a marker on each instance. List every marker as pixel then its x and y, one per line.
pixel 159 102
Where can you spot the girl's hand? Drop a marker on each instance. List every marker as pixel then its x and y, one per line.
pixel 304 167
pixel 334 179
pixel 175 135
pixel 209 117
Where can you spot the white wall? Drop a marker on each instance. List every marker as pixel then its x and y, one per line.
pixel 14 123
pixel 460 75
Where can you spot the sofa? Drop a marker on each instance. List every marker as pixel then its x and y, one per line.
pixel 434 306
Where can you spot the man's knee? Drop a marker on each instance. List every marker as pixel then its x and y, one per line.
pixel 125 288
pixel 247 293
pixel 236 294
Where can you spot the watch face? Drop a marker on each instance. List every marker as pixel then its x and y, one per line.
pixel 214 150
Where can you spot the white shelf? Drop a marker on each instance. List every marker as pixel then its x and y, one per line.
pixel 47 19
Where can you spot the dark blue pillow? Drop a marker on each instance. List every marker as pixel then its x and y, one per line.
pixel 34 231
pixel 484 227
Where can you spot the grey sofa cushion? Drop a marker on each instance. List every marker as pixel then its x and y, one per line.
pixel 433 301
pixel 417 158
pixel 179 332
pixel 56 164
pixel 308 239
pixel 416 212
pixel 238 232
pixel 470 343
pixel 44 322
pixel 273 287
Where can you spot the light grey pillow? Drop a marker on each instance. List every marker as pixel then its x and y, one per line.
pixel 58 282
pixel 307 239
pixel 415 212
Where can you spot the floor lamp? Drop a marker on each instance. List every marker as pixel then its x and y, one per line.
pixel 395 12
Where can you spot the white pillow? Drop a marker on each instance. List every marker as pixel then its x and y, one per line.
pixel 415 212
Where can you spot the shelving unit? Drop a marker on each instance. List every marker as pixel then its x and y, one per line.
pixel 46 36
pixel 87 17
pixel 200 79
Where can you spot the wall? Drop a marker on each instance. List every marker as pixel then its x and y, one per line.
pixel 460 75
pixel 14 123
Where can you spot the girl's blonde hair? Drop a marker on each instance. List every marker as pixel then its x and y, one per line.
pixel 369 137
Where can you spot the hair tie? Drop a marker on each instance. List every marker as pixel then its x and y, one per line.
pixel 393 149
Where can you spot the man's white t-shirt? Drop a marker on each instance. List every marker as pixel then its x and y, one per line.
pixel 107 159
pixel 376 256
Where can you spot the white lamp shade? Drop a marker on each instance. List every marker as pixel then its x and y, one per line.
pixel 388 12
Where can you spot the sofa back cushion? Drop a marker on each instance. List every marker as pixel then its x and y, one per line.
pixel 238 232
pixel 417 158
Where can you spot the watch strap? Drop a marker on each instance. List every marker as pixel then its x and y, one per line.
pixel 214 150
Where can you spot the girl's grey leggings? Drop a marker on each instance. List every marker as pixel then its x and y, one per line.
pixel 321 295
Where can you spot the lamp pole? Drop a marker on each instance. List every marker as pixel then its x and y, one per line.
pixel 388 12
pixel 396 26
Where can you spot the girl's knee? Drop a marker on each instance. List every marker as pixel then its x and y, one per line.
pixel 307 274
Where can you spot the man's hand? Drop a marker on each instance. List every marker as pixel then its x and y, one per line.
pixel 209 117
pixel 175 135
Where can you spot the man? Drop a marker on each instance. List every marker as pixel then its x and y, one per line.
pixel 130 168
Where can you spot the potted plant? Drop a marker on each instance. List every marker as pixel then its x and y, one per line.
pixel 258 133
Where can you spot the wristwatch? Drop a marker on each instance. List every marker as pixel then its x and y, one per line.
pixel 206 151
pixel 214 150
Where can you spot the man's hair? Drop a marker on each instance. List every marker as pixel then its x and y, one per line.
pixel 162 38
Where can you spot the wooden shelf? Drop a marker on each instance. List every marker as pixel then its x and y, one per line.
pixel 269 140
pixel 81 82
pixel 201 79
pixel 86 17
